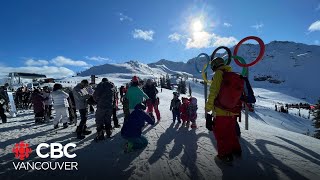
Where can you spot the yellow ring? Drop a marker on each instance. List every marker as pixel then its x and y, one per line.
pixel 203 74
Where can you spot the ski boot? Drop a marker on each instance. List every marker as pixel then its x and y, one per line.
pixel 56 126
pixel 225 159
pixel 65 125
pixel 79 133
pixel 100 136
pixel 86 131
pixel 108 133
pixel 237 154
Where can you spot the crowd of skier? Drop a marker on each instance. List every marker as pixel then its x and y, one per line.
pixel 140 106
pixel 139 99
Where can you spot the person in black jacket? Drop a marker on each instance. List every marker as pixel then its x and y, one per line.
pixel 153 102
pixel 104 96
pixel 38 105
pixel 175 107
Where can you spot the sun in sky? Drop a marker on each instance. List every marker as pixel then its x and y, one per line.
pixel 196 25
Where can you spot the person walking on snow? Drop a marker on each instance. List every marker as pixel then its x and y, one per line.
pixel 81 95
pixel 132 128
pixel 134 94
pixel 225 121
pixel 153 102
pixel 104 96
pixel 60 99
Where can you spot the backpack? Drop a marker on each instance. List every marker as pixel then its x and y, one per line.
pixel 193 101
pixel 231 90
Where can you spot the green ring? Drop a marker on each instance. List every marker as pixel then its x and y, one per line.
pixel 244 69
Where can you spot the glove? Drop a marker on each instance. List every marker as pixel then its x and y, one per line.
pixel 214 114
pixel 209 122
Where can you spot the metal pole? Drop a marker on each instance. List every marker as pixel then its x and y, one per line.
pixel 205 89
pixel 246 117
pixel 205 92
pixel 247 110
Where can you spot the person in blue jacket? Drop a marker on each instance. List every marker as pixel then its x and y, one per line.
pixel 132 128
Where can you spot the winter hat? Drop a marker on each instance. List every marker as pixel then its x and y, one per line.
pixel 104 80
pixel 149 81
pixel 185 100
pixel 216 62
pixel 135 79
pixel 57 87
pixel 176 94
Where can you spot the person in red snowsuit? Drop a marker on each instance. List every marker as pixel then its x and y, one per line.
pixel 184 114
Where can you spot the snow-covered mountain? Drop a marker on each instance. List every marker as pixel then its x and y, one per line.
pixel 286 66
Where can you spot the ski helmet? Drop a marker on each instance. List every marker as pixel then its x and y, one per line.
pixel 216 62
pixel 176 94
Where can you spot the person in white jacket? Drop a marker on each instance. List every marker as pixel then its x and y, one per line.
pixel 60 99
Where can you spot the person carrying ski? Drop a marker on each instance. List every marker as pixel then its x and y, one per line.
pixel 104 96
pixel 175 107
pixel 114 110
pixel 134 94
pixel 153 102
pixel 132 128
pixel 81 96
pixel 225 121
pixel 61 104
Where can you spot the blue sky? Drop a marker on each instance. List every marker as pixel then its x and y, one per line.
pixel 65 36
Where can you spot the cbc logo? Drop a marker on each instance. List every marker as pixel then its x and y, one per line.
pixel 56 150
pixel 22 150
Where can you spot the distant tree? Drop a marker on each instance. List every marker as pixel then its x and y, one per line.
pixel 190 90
pixel 168 82
pixel 162 82
pixel 317 120
pixel 182 87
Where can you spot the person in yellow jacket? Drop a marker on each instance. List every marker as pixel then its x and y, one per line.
pixel 225 121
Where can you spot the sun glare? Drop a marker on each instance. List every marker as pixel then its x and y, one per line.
pixel 197 25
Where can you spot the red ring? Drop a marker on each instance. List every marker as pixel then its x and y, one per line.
pixel 262 49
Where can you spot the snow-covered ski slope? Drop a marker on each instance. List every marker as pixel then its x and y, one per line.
pixel 273 147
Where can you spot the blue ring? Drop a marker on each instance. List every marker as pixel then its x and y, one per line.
pixel 208 63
